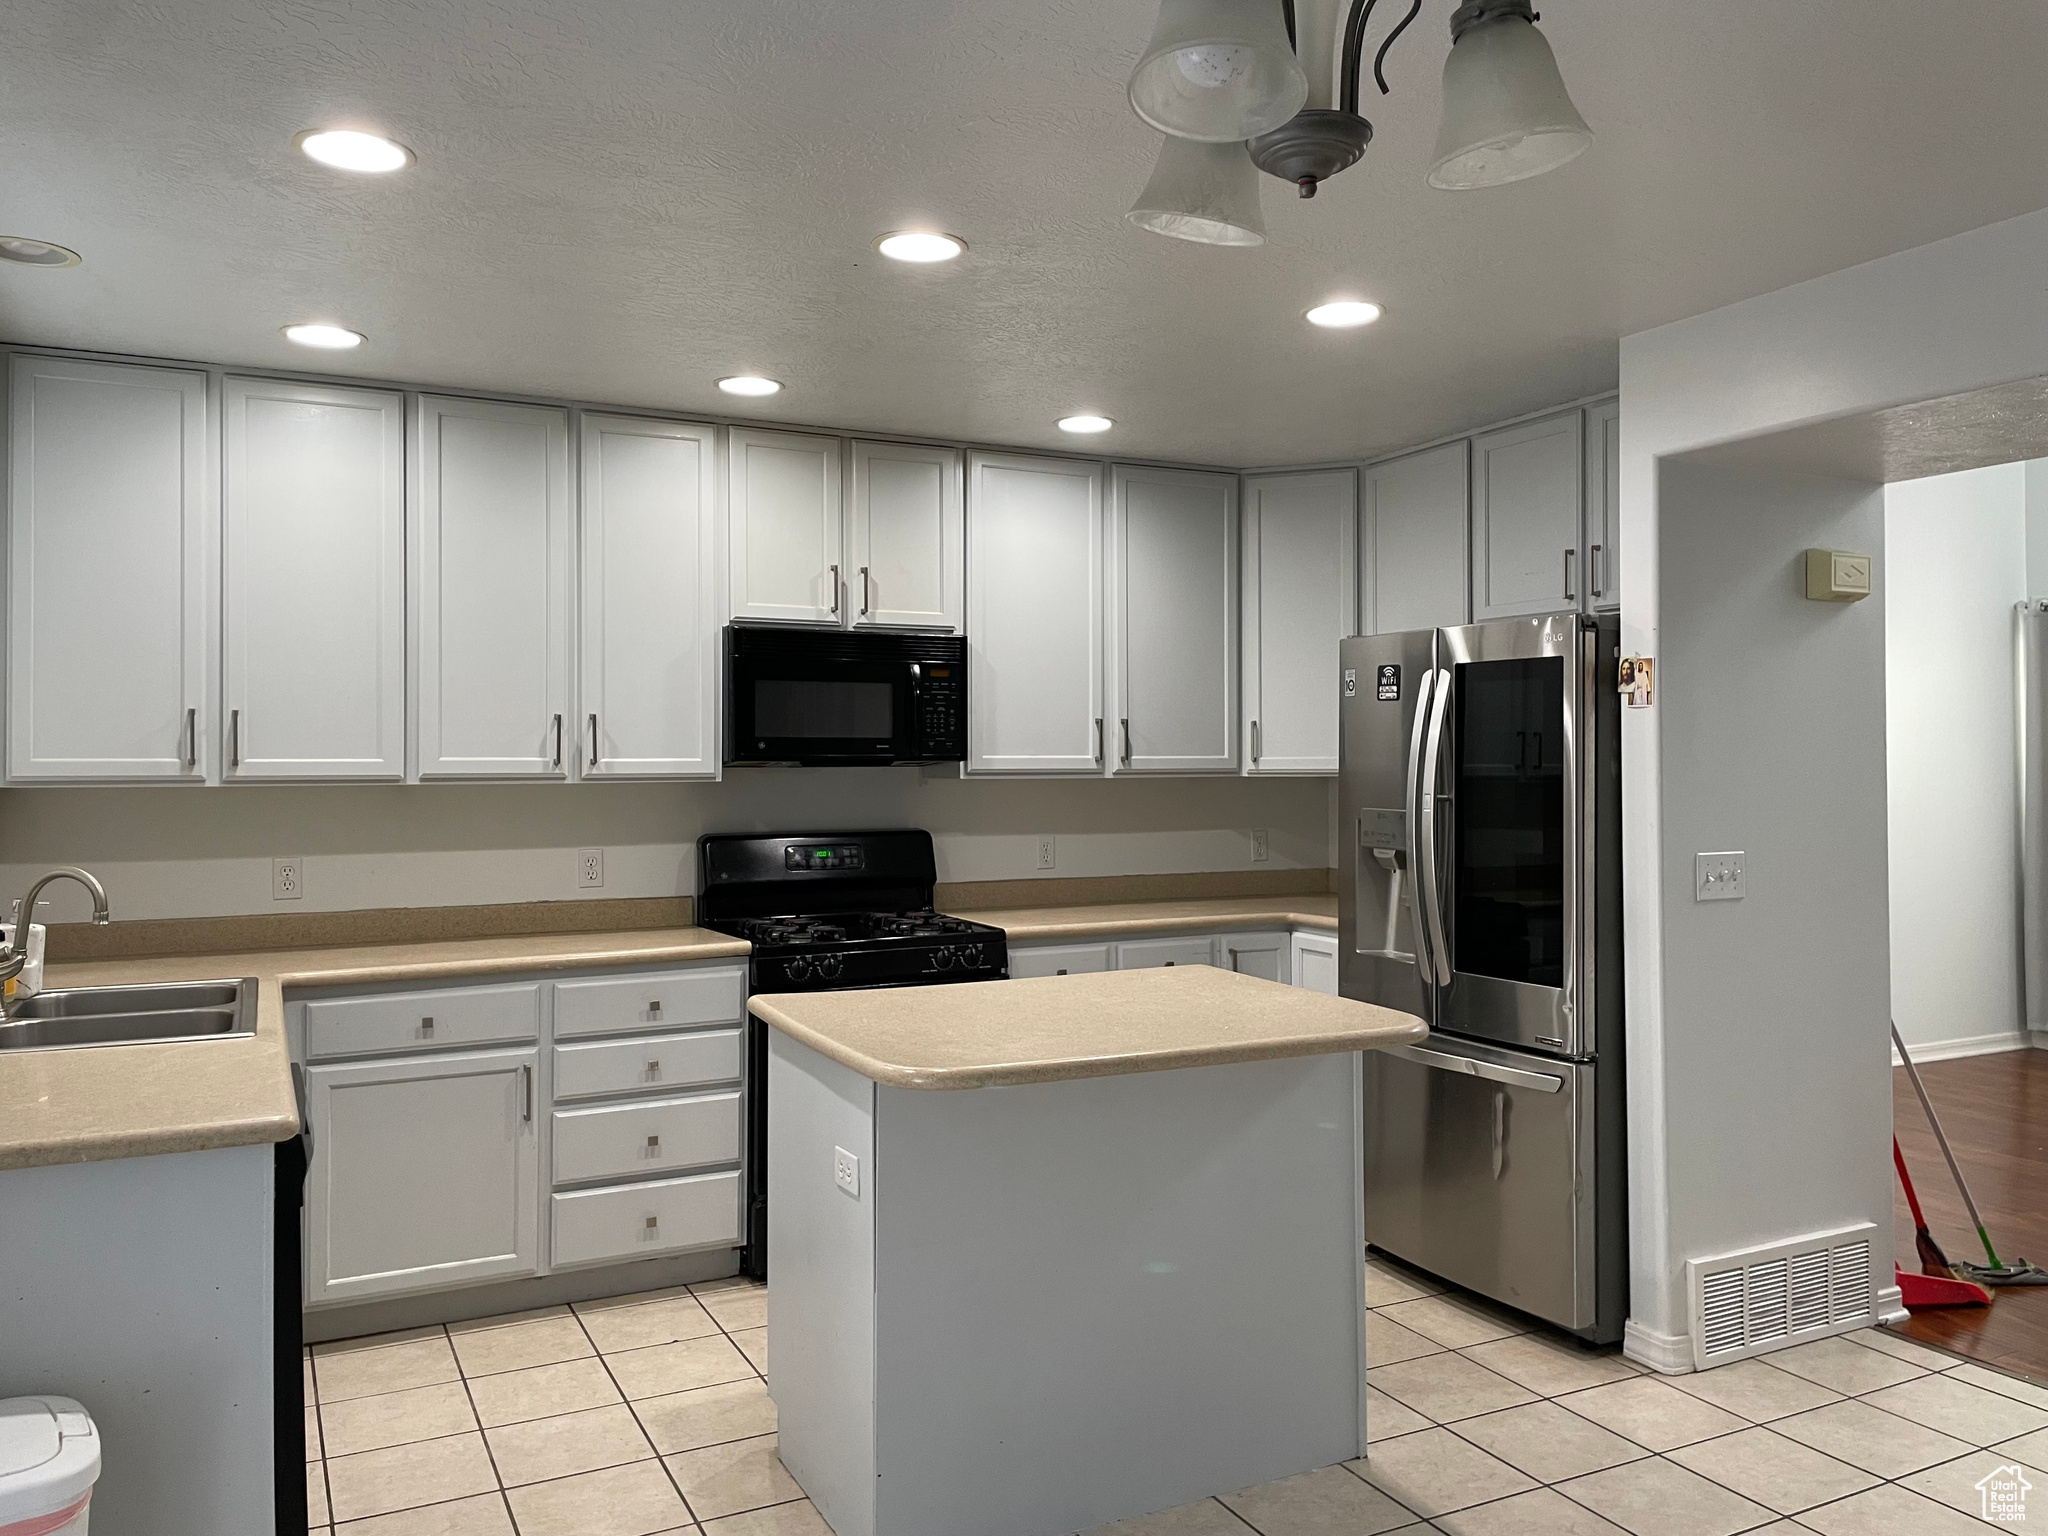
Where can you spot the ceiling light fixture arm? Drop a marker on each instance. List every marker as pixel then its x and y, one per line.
pixel 1361 17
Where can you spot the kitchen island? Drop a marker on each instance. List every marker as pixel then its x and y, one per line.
pixel 1050 1253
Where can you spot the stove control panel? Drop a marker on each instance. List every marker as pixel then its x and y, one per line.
pixel 833 856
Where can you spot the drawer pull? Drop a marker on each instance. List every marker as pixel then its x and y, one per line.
pixel 1061 971
pixel 654 1144
pixel 427 1027
pixel 654 1009
pixel 653 1069
pixel 654 1223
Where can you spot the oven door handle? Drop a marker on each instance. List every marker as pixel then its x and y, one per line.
pixel 1425 792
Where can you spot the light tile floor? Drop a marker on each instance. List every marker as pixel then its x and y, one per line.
pixel 649 1415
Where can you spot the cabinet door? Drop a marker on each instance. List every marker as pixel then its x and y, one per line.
pixel 1314 960
pixel 1525 518
pixel 496 569
pixel 1603 505
pixel 1034 615
pixel 425 1174
pixel 1147 954
pixel 1416 515
pixel 113 547
pixel 905 562
pixel 782 517
pixel 650 658
pixel 1264 955
pixel 314 589
pixel 1059 960
pixel 1173 596
pixel 1300 535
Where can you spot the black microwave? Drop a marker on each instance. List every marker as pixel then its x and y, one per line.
pixel 839 698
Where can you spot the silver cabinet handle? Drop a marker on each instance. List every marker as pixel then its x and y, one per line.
pixel 1432 896
pixel 654 1145
pixel 191 738
pixel 234 738
pixel 1569 595
pixel 654 1008
pixel 526 1077
pixel 593 741
pixel 1598 571
pixel 1443 1061
pixel 654 1069
pixel 835 589
pixel 1425 689
pixel 427 1028
pixel 863 591
pixel 1500 1134
pixel 1098 738
pixel 558 741
pixel 1126 724
pixel 1255 741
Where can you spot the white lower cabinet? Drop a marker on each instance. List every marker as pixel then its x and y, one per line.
pixel 1314 962
pixel 1061 960
pixel 642 1221
pixel 1263 955
pixel 1139 954
pixel 623 1141
pixel 425 1174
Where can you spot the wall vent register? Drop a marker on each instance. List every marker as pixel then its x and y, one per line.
pixel 1764 1298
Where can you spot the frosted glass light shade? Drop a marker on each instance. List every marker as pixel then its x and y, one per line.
pixel 1506 113
pixel 1218 70
pixel 1208 193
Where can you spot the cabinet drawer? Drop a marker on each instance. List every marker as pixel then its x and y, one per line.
pixel 1059 960
pixel 409 1021
pixel 1142 953
pixel 650 1062
pixel 665 1000
pixel 640 1220
pixel 619 1140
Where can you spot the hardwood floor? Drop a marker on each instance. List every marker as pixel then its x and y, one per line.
pixel 1995 1110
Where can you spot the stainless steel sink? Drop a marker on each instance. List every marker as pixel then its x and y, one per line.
pixel 84 1016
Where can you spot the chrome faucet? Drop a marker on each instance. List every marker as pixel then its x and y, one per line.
pixel 14 953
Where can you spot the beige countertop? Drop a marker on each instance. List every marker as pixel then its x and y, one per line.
pixel 990 1034
pixel 1030 924
pixel 84 1105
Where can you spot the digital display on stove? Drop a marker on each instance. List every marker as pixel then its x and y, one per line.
pixel 822 856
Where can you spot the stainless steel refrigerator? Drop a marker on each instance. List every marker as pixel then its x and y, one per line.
pixel 1480 888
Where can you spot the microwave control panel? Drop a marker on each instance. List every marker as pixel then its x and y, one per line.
pixel 942 711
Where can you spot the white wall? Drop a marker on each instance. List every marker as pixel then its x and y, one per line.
pixel 1955 565
pixel 205 852
pixel 1940 320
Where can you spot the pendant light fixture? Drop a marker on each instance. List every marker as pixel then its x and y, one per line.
pixel 1218 71
pixel 1208 193
pixel 1507 116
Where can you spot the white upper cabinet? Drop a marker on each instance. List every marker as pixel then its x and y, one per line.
pixel 1603 505
pixel 1299 603
pixel 496 598
pixel 1173 599
pixel 1413 528
pixel 650 657
pixel 314 589
pixel 1526 531
pixel 782 512
pixel 113 539
pixel 905 565
pixel 1034 615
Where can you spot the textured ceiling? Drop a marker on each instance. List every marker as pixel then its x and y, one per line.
pixel 620 200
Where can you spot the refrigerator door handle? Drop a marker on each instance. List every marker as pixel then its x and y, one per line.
pixel 1514 1077
pixel 1425 793
pixel 1425 690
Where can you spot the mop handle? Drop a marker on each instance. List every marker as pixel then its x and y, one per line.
pixel 1941 1138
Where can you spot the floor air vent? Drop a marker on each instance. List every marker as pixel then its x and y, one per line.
pixel 1764 1298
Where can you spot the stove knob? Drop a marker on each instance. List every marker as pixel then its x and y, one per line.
pixel 828 968
pixel 799 969
pixel 943 959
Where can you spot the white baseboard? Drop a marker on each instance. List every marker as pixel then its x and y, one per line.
pixel 1889 1305
pixel 1668 1353
pixel 1973 1045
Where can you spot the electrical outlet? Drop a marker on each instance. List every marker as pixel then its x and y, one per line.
pixel 1259 850
pixel 287 879
pixel 1045 850
pixel 846 1171
pixel 1717 876
pixel 590 867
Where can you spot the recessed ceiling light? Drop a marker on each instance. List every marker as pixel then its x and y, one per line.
pixel 36 253
pixel 1343 313
pixel 920 245
pixel 331 338
pixel 348 149
pixel 1085 423
pixel 749 384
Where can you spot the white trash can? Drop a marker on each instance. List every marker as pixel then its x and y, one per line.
pixel 49 1461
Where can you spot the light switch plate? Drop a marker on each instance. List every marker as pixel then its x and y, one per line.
pixel 1717 876
pixel 846 1171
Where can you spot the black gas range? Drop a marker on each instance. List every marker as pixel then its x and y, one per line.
pixel 826 911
